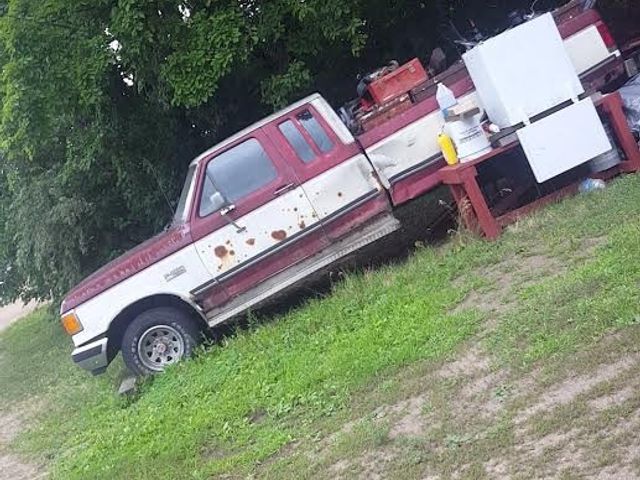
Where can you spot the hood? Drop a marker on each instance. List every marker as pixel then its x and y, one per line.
pixel 127 265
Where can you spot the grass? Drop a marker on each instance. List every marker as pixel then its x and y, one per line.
pixel 262 403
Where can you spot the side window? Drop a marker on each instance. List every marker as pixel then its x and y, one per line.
pixel 297 141
pixel 235 174
pixel 315 130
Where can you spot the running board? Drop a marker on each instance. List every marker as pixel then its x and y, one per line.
pixel 355 241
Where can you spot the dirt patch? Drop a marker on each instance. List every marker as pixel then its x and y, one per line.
pixel 615 398
pixel 570 389
pixel 374 464
pixel 12 467
pixel 12 425
pixel 339 468
pixel 412 424
pixel 10 313
pixel 617 473
pixel 370 465
pixel 470 363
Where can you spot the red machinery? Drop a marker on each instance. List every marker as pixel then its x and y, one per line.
pixel 397 82
pixel 385 92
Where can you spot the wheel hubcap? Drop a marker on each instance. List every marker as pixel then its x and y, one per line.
pixel 159 347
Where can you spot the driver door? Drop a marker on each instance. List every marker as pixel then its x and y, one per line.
pixel 251 218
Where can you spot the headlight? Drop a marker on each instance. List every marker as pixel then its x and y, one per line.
pixel 71 324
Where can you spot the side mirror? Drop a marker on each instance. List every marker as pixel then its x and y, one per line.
pixel 217 202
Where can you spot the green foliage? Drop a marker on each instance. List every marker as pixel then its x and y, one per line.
pixel 102 100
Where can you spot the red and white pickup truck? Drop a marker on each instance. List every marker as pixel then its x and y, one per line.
pixel 274 203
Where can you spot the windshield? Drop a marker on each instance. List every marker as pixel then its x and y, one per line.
pixel 181 209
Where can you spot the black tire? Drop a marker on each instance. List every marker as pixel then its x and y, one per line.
pixel 173 329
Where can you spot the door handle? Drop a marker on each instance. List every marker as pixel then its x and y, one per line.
pixel 284 189
pixel 225 214
pixel 228 209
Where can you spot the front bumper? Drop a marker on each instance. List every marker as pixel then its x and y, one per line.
pixel 92 356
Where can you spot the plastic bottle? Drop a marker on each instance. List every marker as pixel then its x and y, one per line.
pixel 445 98
pixel 448 148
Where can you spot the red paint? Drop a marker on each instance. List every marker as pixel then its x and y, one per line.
pixel 275 263
pixel 129 264
pixel 357 217
pixel 576 24
pixel 613 107
pixel 417 184
pixel 203 226
pixel 213 297
pixel 606 35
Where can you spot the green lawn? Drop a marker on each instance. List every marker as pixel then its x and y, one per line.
pixel 553 286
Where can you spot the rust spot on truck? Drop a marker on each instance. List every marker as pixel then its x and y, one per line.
pixel 295 209
pixel 302 225
pixel 251 242
pixel 228 242
pixel 340 194
pixel 232 253
pixel 279 235
pixel 221 251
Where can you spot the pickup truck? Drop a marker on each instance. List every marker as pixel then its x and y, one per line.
pixel 282 199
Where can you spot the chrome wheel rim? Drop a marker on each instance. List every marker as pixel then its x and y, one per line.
pixel 159 347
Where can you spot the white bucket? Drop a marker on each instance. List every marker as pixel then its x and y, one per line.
pixel 469 138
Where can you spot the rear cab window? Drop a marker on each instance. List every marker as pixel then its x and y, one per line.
pixel 315 130
pixel 306 136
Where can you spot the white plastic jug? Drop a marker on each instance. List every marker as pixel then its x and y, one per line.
pixel 445 98
pixel 469 137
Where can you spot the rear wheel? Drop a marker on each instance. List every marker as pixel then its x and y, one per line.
pixel 158 338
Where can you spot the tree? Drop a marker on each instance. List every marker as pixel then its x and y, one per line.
pixel 105 102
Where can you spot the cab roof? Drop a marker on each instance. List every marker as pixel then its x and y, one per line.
pixel 255 126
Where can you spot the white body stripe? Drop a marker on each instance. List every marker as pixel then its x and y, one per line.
pixel 96 314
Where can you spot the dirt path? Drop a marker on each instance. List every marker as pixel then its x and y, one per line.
pixel 468 420
pixel 13 312
pixel 13 467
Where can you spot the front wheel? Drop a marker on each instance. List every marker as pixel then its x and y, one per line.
pixel 158 338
